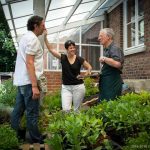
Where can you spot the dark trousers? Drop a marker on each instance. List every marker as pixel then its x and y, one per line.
pixel 25 103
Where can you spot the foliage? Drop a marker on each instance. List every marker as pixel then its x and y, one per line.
pixel 108 125
pixel 122 123
pixel 52 102
pixel 2 90
pixel 140 142
pixel 55 129
pixel 8 97
pixel 90 88
pixel 75 130
pixel 7 51
pixel 5 112
pixel 8 138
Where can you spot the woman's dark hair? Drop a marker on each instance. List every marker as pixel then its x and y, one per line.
pixel 34 20
pixel 68 43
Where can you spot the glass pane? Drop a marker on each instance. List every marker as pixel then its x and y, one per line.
pixel 85 7
pixel 130 11
pixel 131 35
pixel 52 38
pixel 141 8
pixel 85 1
pixel 14 39
pixel 59 13
pixel 12 33
pixel 92 54
pixel 3 2
pixel 90 33
pixel 77 17
pixel 6 11
pixel 72 34
pixel 61 3
pixel 22 8
pixel 10 24
pixel 54 23
pixel 141 31
pixel 21 22
pixel 52 61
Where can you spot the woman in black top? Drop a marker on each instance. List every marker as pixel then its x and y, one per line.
pixel 73 89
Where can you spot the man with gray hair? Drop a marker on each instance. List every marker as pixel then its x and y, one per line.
pixel 110 83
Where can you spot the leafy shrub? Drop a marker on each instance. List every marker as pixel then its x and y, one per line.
pixel 8 138
pixel 52 102
pixel 5 112
pixel 140 142
pixel 2 90
pixel 90 88
pixel 114 124
pixel 74 130
pixel 8 97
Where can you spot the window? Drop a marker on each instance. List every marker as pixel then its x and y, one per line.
pixel 133 26
pixel 87 45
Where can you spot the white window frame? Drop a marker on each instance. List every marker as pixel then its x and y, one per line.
pixel 138 47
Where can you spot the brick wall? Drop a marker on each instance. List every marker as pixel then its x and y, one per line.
pixel 136 66
pixel 115 21
pixel 54 80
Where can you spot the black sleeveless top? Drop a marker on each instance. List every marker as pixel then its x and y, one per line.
pixel 71 71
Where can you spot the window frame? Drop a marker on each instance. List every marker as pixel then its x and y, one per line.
pixel 138 47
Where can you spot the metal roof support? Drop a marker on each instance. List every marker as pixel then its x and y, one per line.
pixel 47 7
pixel 72 11
pixel 95 8
pixel 75 24
pixel 11 15
pixel 39 9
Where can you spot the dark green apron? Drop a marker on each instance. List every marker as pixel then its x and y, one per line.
pixel 110 84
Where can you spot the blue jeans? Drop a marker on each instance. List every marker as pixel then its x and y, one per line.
pixel 25 103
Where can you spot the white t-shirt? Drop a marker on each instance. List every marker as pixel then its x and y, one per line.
pixel 29 44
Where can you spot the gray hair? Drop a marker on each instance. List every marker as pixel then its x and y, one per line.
pixel 109 32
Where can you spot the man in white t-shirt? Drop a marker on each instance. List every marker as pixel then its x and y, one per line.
pixel 29 66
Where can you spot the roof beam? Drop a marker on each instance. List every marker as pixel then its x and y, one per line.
pixel 95 8
pixel 11 16
pixel 75 24
pixel 13 1
pixel 47 7
pixel 72 11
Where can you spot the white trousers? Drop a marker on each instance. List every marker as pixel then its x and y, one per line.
pixel 72 93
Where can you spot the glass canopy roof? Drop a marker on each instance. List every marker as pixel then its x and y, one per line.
pixel 61 15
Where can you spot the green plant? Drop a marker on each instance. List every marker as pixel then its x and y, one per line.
pixel 5 112
pixel 90 88
pixel 74 130
pixel 55 128
pixel 140 142
pixel 8 97
pixel 108 125
pixel 8 138
pixel 7 48
pixel 52 102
